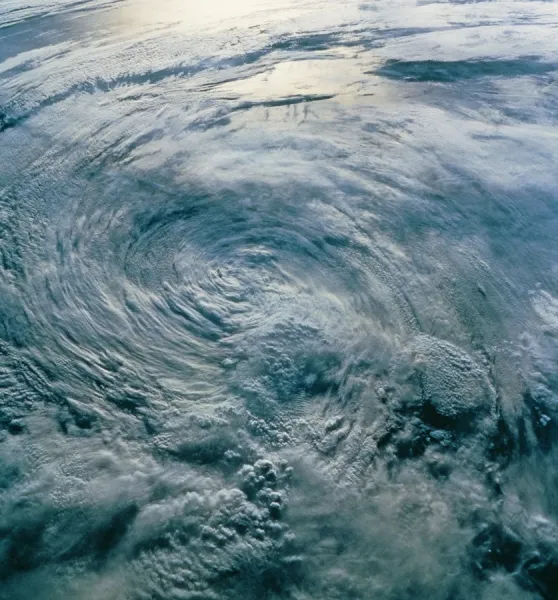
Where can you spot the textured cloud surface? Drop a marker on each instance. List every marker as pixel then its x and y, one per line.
pixel 279 300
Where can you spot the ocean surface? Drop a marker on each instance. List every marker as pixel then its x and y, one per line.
pixel 278 300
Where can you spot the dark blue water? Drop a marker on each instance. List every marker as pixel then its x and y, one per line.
pixel 278 300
